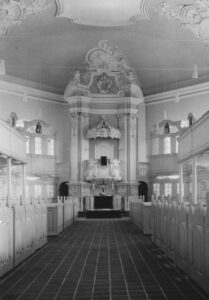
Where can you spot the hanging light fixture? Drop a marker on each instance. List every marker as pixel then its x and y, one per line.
pixel 165 114
pixel 195 72
pixel 176 99
pixel 2 67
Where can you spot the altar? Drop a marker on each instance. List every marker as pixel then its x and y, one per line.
pixel 103 202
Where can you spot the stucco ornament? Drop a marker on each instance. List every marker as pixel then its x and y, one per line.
pixel 107 73
pixel 106 56
pixel 194 16
pixel 13 12
pixel 103 13
pixel 103 130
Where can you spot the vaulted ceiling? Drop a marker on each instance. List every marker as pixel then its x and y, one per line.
pixel 47 47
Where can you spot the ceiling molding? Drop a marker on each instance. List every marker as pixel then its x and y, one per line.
pixel 103 13
pixel 194 90
pixel 24 92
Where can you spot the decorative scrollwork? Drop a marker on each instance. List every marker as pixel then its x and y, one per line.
pixel 103 130
pixel 194 16
pixel 13 12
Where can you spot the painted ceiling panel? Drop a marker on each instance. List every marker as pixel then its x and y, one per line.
pixel 162 45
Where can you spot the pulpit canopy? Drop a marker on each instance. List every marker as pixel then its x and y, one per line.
pixel 103 130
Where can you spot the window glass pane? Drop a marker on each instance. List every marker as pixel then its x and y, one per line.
pixel 177 188
pixel 50 191
pixel 168 189
pixel 38 145
pixel 37 191
pixel 177 145
pixel 50 146
pixel 167 145
pixel 156 189
pixel 155 146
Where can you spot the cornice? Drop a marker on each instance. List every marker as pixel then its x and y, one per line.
pixel 23 91
pixel 184 93
pixel 103 99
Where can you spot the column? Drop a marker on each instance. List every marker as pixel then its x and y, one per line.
pixel 132 147
pixel 9 180
pixel 83 147
pixel 131 154
pixel 123 144
pixel 181 182
pixel 24 183
pixel 194 180
pixel 142 139
pixel 74 147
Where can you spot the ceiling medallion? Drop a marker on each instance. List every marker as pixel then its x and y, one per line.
pixel 13 12
pixel 194 16
pixel 103 13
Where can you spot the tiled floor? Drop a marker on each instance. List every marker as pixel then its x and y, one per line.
pixel 99 259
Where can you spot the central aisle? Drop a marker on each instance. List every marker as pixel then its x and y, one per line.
pixel 99 259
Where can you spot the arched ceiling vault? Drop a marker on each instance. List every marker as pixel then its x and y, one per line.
pixel 45 41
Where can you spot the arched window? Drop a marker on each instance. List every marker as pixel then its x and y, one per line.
pixel 167 145
pixel 168 189
pixel 50 191
pixel 38 145
pixel 156 189
pixel 177 145
pixel 37 191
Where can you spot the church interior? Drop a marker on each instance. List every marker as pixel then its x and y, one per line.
pixel 104 151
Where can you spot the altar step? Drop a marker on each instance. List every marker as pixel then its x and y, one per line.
pixel 103 214
pixel 83 214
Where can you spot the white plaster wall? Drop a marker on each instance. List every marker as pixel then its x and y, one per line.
pixel 196 104
pixel 36 109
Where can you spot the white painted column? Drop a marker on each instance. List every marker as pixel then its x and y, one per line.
pixel 83 148
pixel 181 182
pixel 123 144
pixel 194 180
pixel 142 139
pixel 9 180
pixel 132 147
pixel 24 183
pixel 74 147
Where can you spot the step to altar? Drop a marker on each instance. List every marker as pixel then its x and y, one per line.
pixel 103 214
